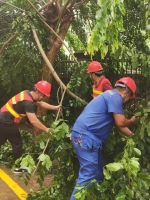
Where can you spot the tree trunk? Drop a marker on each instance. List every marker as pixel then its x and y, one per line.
pixel 55 45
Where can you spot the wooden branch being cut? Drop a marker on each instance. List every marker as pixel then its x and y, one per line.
pixel 52 69
pixel 7 42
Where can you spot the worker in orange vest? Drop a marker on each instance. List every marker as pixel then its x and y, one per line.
pixel 19 106
pixel 101 84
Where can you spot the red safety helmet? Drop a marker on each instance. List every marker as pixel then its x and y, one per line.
pixel 44 87
pixel 129 82
pixel 94 66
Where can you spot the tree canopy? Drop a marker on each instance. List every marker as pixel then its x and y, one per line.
pixel 118 31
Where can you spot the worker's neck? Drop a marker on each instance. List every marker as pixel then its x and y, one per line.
pixel 97 79
pixel 34 95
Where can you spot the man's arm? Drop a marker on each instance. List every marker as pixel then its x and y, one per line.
pixel 122 121
pixel 35 122
pixel 47 106
pixel 125 131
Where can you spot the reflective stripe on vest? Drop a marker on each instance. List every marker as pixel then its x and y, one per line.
pixel 100 88
pixel 8 107
pixel 96 93
pixel 12 111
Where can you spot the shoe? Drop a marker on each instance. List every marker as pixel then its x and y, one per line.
pixel 21 170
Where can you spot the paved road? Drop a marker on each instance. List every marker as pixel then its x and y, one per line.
pixel 8 194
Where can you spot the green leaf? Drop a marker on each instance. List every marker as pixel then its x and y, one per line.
pixel 114 166
pixel 61 131
pixel 138 114
pixel 42 145
pixel 28 162
pixel 107 174
pixel 45 159
pixel 137 151
pixel 56 123
pixel 130 193
pixel 120 196
pixel 134 166
pixel 129 53
pixel 47 162
pixel 148 129
pixel 41 157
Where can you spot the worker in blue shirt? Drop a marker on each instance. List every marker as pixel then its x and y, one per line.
pixel 94 125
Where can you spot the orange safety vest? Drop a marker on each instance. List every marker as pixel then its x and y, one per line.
pixel 98 90
pixel 8 107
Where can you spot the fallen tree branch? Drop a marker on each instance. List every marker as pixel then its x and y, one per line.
pixel 52 69
pixel 50 133
pixel 7 42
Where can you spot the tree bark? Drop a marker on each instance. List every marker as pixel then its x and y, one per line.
pixel 55 44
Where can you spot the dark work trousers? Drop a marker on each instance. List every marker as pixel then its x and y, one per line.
pixel 12 134
pixel 90 158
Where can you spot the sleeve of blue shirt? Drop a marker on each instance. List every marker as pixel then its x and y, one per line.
pixel 114 102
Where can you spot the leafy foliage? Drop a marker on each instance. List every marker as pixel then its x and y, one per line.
pixel 58 160
pixel 119 39
pixel 109 19
pixel 126 162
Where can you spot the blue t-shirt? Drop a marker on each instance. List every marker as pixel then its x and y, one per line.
pixel 97 120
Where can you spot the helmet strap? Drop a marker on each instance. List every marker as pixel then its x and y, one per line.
pixel 35 89
pixel 128 95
